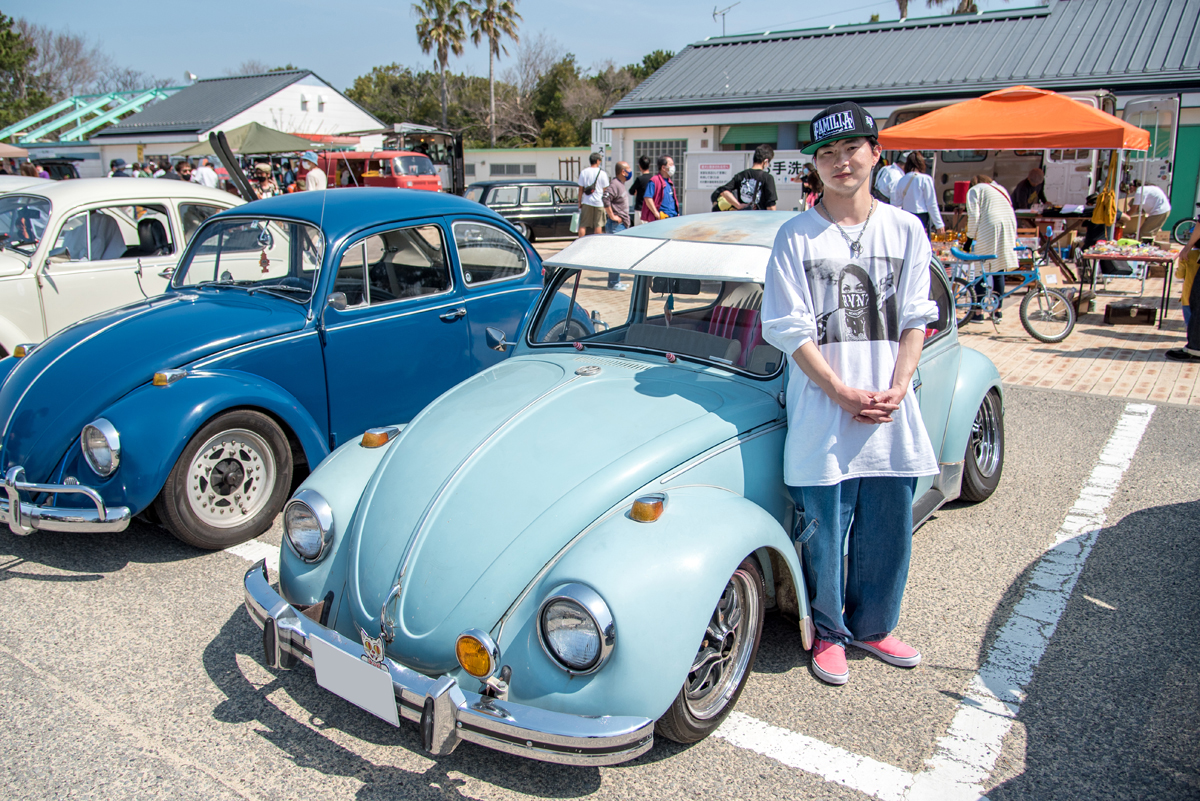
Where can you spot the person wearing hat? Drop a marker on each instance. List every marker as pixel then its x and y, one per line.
pixel 847 297
pixel 118 169
pixel 315 178
pixel 264 185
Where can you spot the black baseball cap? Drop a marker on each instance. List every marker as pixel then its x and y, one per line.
pixel 840 121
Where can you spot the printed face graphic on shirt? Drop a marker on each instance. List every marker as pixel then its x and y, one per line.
pixel 855 301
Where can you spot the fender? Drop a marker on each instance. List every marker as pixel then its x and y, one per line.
pixel 12 334
pixel 661 581
pixel 7 365
pixel 156 424
pixel 976 377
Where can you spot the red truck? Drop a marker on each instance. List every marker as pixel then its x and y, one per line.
pixel 395 168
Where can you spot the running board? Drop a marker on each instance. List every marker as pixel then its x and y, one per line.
pixel 926 505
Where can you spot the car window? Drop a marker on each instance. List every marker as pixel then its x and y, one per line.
pixel 488 254
pixel 474 193
pixel 714 321
pixel 537 194
pixel 115 232
pixel 192 214
pixel 275 256
pixel 503 196
pixel 394 265
pixel 23 222
pixel 567 194
pixel 939 293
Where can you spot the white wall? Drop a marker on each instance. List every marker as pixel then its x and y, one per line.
pixel 544 159
pixel 285 111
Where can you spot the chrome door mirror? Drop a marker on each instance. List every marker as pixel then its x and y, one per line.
pixel 496 340
pixel 337 301
pixel 597 322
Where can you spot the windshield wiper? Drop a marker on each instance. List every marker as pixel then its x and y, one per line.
pixel 281 291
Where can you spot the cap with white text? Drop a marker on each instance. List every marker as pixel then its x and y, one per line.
pixel 840 121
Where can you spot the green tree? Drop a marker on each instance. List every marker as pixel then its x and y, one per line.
pixel 440 30
pixel 19 95
pixel 491 20
pixel 649 65
pixel 960 6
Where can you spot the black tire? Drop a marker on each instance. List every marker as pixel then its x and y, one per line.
pixel 719 673
pixel 965 309
pixel 238 464
pixel 1182 231
pixel 1047 314
pixel 984 459
pixel 574 332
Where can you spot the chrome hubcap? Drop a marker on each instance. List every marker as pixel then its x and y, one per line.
pixel 724 656
pixel 231 478
pixel 985 444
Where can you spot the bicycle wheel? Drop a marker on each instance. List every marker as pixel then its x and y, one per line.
pixel 1182 231
pixel 1047 314
pixel 965 307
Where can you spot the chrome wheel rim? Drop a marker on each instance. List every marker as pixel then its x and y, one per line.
pixel 522 229
pixel 231 478
pixel 724 655
pixel 985 439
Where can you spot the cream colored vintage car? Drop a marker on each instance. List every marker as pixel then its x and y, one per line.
pixel 71 249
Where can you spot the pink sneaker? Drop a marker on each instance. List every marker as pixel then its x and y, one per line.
pixel 829 662
pixel 892 651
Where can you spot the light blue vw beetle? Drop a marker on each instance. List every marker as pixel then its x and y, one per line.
pixel 575 548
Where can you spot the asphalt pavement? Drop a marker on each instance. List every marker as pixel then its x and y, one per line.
pixel 129 669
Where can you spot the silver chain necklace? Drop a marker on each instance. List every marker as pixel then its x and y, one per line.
pixel 856 245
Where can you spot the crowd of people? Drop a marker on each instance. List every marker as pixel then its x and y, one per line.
pixel 267 179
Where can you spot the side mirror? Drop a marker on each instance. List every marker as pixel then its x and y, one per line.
pixel 496 340
pixel 58 256
pixel 337 301
pixel 597 322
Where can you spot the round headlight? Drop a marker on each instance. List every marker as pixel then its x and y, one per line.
pixel 576 629
pixel 101 447
pixel 308 525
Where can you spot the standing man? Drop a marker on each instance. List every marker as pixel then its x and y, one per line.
pixel 118 169
pixel 1149 208
pixel 1190 268
pixel 885 182
pixel 616 207
pixel 847 296
pixel 205 175
pixel 638 190
pixel 316 178
pixel 592 183
pixel 660 201
pixel 750 189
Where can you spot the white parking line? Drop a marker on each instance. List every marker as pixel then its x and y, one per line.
pixel 253 550
pixel 967 754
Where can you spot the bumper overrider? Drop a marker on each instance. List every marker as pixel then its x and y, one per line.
pixel 446 712
pixel 24 517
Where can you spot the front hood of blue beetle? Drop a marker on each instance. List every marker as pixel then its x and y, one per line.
pixel 73 376
pixel 496 476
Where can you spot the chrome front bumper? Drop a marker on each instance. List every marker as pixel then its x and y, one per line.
pixel 23 517
pixel 445 712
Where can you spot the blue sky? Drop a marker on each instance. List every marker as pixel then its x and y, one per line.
pixel 340 41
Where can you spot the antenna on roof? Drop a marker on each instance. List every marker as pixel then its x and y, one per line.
pixel 722 14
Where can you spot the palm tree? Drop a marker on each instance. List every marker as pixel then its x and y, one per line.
pixel 440 28
pixel 903 8
pixel 492 19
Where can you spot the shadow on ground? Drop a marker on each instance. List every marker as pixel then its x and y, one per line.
pixel 88 556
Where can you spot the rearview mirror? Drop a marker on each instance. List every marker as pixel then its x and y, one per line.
pixel 337 301
pixel 675 286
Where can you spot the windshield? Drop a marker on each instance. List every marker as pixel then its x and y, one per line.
pixel 413 165
pixel 275 256
pixel 23 221
pixel 710 321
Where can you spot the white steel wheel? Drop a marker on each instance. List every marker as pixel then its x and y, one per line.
pixel 230 482
pixel 230 478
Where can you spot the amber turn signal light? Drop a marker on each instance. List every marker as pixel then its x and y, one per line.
pixel 477 654
pixel 165 378
pixel 378 437
pixel 21 351
pixel 648 508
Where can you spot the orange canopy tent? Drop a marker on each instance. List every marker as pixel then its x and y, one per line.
pixel 1016 118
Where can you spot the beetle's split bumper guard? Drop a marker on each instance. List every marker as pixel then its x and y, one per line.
pixel 24 517
pixel 446 712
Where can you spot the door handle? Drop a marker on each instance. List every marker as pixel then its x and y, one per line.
pixel 451 316
pixel 166 272
pixel 916 383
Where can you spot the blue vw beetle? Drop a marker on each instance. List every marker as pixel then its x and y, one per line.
pixel 291 326
pixel 575 548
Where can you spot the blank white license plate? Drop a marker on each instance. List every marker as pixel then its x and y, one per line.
pixel 358 682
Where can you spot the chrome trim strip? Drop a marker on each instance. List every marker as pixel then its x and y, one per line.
pixel 208 361
pixel 447 712
pixel 458 301
pixel 23 518
pixel 949 481
pixel 740 439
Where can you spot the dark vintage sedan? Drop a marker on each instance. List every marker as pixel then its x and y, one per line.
pixel 538 208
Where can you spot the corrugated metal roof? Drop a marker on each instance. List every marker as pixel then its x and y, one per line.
pixel 1069 44
pixel 204 104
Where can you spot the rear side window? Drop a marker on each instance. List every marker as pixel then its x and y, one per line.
pixel 487 253
pixel 504 196
pixel 567 194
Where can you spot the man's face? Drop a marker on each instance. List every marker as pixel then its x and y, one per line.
pixel 667 167
pixel 185 171
pixel 846 164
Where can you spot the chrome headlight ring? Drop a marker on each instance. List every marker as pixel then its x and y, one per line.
pixel 587 603
pixel 308 525
pixel 101 446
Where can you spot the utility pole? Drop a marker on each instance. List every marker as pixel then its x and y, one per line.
pixel 722 14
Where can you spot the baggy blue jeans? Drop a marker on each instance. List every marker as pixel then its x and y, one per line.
pixel 858 598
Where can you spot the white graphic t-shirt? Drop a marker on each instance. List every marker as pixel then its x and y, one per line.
pixel 854 309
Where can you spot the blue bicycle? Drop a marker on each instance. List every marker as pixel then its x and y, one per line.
pixel 1046 313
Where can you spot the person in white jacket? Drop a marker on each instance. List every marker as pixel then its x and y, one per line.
pixel 992 225
pixel 914 193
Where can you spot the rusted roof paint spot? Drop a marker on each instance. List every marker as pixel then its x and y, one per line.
pixel 703 232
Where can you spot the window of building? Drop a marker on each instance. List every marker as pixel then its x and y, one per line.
pixel 469 170
pixel 675 148
pixel 513 169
